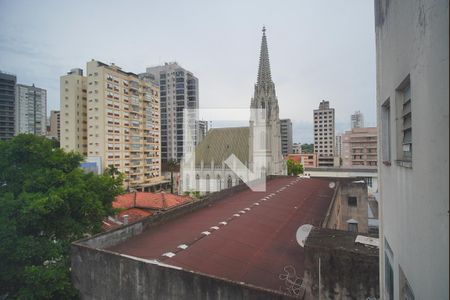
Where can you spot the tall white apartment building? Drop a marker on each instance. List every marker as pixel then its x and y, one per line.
pixel 202 130
pixel 7 105
pixel 412 44
pixel 30 110
pixel 179 90
pixel 122 122
pixel 324 134
pixel 357 120
pixel 73 112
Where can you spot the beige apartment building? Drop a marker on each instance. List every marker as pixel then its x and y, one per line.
pixel 359 148
pixel 123 124
pixel 73 112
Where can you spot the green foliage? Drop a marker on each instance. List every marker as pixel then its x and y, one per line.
pixel 46 203
pixel 294 168
pixel 307 148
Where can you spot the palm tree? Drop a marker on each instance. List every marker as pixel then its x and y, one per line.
pixel 172 165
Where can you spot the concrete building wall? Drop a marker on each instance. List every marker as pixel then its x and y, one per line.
pixel 7 105
pixel 73 112
pixel 359 148
pixel 412 43
pixel 30 110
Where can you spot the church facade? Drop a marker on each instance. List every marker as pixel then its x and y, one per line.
pixel 257 147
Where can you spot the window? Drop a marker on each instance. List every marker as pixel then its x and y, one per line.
pixel 352 201
pixel 229 182
pixel 404 123
pixel 353 227
pixel 406 292
pixel 388 272
pixel 386 132
pixel 369 181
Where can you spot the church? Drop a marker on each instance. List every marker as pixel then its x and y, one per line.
pixel 257 147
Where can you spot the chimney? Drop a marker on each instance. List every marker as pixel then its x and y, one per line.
pixel 125 219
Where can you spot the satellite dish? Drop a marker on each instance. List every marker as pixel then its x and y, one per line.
pixel 302 233
pixel 331 185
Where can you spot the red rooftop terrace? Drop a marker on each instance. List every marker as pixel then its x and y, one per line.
pixel 232 239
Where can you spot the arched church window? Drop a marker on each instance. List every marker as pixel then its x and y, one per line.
pixel 219 183
pixel 207 184
pixel 229 182
pixel 197 183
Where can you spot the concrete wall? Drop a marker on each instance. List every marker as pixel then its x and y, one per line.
pixel 412 39
pixel 99 274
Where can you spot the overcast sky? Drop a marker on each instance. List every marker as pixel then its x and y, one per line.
pixel 318 49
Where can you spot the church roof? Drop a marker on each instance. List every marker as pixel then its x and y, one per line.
pixel 220 143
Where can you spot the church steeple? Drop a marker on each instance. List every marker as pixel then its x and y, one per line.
pixel 264 76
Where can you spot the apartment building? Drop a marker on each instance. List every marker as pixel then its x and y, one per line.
pixel 30 110
pixel 54 131
pixel 296 148
pixel 357 120
pixel 338 145
pixel 412 46
pixel 73 112
pixel 122 123
pixel 359 148
pixel 286 136
pixel 179 90
pixel 7 105
pixel 324 134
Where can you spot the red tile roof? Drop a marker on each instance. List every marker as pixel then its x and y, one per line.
pixel 134 214
pixel 157 201
pixel 251 235
pixel 297 158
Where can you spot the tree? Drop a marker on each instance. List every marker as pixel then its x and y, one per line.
pixel 46 203
pixel 172 166
pixel 294 168
pixel 308 148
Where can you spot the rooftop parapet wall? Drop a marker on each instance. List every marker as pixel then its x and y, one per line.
pixel 100 274
pixel 347 270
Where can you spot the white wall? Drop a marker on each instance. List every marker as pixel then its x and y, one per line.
pixel 412 39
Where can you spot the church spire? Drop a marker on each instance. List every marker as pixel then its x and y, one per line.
pixel 264 76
